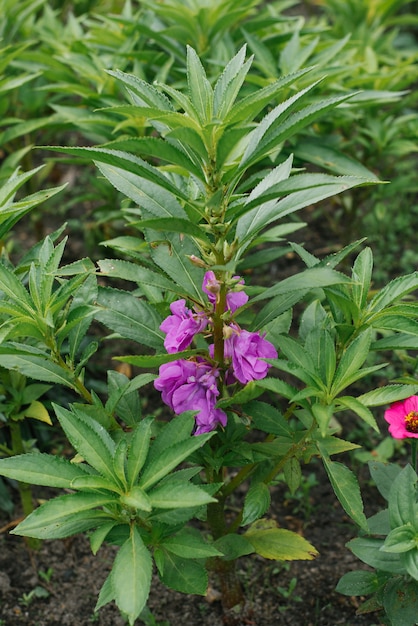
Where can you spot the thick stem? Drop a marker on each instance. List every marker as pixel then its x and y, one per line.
pixel 230 587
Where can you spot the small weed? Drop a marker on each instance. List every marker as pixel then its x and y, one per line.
pixel 46 576
pixel 38 592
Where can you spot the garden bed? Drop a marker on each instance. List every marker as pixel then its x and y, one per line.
pixel 76 577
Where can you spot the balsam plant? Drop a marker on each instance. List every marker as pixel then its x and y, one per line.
pixel 209 190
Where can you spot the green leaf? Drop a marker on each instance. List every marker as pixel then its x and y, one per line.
pixel 41 469
pixel 175 225
pixel 387 394
pixel 362 276
pixel 367 549
pixel 188 543
pixel 159 467
pixel 171 255
pixel 400 602
pixel 229 83
pixel 400 539
pixel 384 475
pixel 131 576
pixel 65 515
pixel 116 268
pixel 359 408
pixel 136 498
pixel 34 366
pixel 176 494
pixel 130 317
pixel 393 291
pixel 346 489
pixel 257 139
pixel 256 503
pixel 182 574
pixel 267 418
pixel 152 197
pixel 358 583
pixel 307 280
pixel 233 546
pixel 351 362
pixel 200 90
pixel 402 498
pixel 138 450
pixel 124 162
pixel 99 535
pixel 89 438
pixel 280 544
pixel 292 474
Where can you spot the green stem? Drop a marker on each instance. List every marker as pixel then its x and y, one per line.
pixel 414 454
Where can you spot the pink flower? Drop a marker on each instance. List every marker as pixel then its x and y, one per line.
pixel 181 327
pixel 191 386
pixel 234 299
pixel 247 351
pixel 402 418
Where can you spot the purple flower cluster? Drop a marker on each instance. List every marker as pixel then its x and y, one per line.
pixel 192 384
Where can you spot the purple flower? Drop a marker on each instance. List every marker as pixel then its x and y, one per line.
pixel 234 299
pixel 247 351
pixel 181 327
pixel 191 386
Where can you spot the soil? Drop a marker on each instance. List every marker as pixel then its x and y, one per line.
pixel 58 584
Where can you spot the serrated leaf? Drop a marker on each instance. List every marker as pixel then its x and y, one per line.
pixel 394 290
pixel 402 498
pixel 229 83
pixel 34 366
pixel 89 438
pixel 99 535
pixel 188 543
pixel 136 498
pixel 346 489
pixel 130 317
pixel 175 494
pixel 280 544
pixel 360 409
pixel 351 361
pixel 155 198
pixel 41 469
pixel 387 394
pixel 65 515
pixel 175 225
pixel 233 546
pixel 159 467
pixel 131 576
pixel 311 278
pixel 138 450
pixel 200 90
pixel 172 256
pixel 126 270
pixel 182 574
pixel 256 503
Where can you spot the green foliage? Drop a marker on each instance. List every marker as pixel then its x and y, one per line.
pixel 203 119
pixel 390 549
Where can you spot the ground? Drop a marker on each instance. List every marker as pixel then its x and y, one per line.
pixel 70 577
